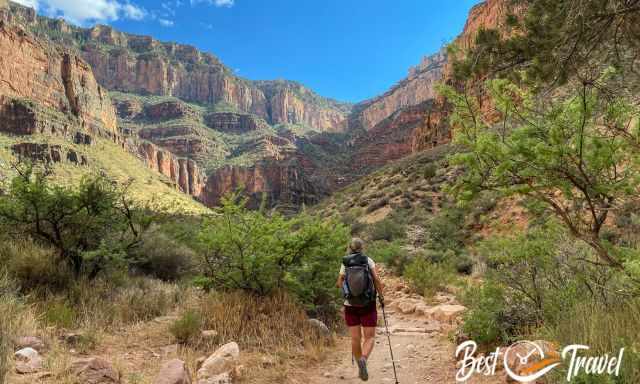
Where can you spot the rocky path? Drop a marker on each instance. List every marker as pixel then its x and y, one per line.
pixel 421 337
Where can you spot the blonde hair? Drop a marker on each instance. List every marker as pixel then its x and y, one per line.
pixel 356 245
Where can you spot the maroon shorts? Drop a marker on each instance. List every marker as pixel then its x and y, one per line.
pixel 364 316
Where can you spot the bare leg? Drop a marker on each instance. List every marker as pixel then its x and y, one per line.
pixel 369 341
pixel 356 340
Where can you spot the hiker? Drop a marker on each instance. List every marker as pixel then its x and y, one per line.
pixel 360 283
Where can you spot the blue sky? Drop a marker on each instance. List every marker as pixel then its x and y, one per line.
pixel 346 49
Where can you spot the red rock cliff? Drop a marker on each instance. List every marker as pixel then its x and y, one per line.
pixel 35 76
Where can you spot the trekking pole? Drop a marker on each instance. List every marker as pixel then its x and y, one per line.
pixel 393 361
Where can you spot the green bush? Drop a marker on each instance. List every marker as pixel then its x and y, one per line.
pixel 162 257
pixel 60 314
pixel 429 278
pixel 388 229
pixel 429 171
pixel 187 328
pixel 77 222
pixel 261 253
pixel 34 267
pixel 483 322
pixel 392 254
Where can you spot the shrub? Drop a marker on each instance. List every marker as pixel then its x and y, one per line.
pixel 60 314
pixel 379 203
pixel 162 257
pixel 483 322
pixel 75 221
pixel 261 254
pixel 387 229
pixel 187 328
pixel 429 171
pixel 34 267
pixel 392 254
pixel 428 278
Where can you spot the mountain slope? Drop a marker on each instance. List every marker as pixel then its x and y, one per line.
pixel 190 119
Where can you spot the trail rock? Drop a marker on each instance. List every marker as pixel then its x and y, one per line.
pixel 95 370
pixel 407 307
pixel 173 372
pixel 223 378
pixel 220 362
pixel 30 342
pixel 28 360
pixel 446 313
pixel 425 310
pixel 319 326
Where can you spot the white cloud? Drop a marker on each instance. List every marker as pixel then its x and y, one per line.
pixel 224 3
pixel 217 3
pixel 166 22
pixel 83 11
pixel 28 3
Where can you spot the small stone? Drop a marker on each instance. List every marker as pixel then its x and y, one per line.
pixel 95 370
pixel 28 360
pixel 223 378
pixel 319 326
pixel 219 362
pixel 173 372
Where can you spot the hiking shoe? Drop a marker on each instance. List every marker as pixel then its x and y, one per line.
pixel 362 368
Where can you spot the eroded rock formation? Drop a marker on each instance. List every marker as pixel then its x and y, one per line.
pixel 34 72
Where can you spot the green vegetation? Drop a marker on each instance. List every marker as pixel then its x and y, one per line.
pixel 262 253
pixel 558 132
pixel 76 222
pixel 187 327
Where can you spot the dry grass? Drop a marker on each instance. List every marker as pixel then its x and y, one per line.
pixel 261 323
pixel 16 319
pixel 124 326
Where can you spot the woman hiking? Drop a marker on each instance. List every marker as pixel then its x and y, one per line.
pixel 360 283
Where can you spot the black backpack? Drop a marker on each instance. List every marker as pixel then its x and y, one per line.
pixel 358 287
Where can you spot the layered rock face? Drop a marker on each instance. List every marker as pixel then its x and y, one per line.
pixel 46 90
pixel 229 122
pixel 406 131
pixel 143 65
pixel 278 181
pixel 55 80
pixel 48 153
pixel 184 172
pixel 418 87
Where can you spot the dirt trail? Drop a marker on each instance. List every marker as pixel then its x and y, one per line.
pixel 422 348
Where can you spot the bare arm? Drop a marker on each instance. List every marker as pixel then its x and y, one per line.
pixel 340 281
pixel 377 281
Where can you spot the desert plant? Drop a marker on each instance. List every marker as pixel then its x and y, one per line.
pixel 75 221
pixel 388 229
pixel 269 323
pixel 162 257
pixel 34 267
pixel 392 254
pixel 429 278
pixel 578 156
pixel 187 327
pixel 261 253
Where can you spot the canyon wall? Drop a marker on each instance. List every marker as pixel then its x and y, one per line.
pixel 37 78
pixel 45 89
